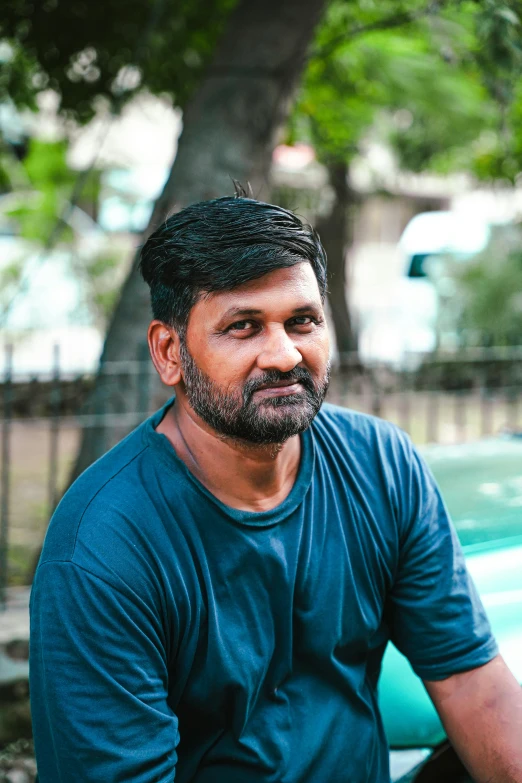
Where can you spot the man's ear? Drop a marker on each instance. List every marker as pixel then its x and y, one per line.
pixel 164 350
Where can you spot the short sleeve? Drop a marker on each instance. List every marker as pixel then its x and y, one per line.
pixel 437 618
pixel 98 682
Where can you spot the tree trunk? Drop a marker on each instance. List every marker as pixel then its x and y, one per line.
pixel 335 232
pixel 229 130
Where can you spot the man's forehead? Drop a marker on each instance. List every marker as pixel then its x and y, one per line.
pixel 294 286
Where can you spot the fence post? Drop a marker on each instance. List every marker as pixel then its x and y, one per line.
pixel 377 407
pixel 485 408
pixel 432 416
pixel 460 415
pixel 4 481
pixel 512 408
pixel 54 431
pixel 404 412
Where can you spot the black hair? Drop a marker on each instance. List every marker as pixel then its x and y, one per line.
pixel 218 245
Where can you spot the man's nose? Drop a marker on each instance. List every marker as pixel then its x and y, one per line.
pixel 279 352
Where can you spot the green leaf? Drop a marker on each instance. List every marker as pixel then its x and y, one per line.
pixel 509 15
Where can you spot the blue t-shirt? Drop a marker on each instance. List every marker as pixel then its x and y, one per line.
pixel 174 637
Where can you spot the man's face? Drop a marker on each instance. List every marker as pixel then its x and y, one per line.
pixel 255 360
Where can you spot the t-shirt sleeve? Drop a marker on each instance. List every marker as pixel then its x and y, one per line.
pixel 437 618
pixel 98 682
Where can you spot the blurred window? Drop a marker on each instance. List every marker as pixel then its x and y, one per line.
pixel 417 265
pixel 421 262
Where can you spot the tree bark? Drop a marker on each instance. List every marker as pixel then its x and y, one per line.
pixel 229 130
pixel 335 232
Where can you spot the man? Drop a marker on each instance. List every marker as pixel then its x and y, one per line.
pixel 215 594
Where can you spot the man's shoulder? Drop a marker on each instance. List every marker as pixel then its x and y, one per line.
pixel 363 443
pixel 345 422
pixel 112 486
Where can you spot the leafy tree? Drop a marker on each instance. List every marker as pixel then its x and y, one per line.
pixel 490 291
pixel 92 52
pixel 233 68
pixel 245 65
pixel 428 81
pixel 47 184
pixel 350 77
pixel 46 175
pixel 481 42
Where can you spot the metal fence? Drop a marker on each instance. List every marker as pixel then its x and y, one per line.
pixel 45 417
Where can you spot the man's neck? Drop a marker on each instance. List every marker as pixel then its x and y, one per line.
pixel 245 476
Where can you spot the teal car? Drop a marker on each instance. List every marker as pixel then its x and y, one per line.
pixel 482 486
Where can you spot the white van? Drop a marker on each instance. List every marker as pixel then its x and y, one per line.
pixel 423 310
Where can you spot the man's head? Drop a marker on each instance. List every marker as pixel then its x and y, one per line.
pixel 237 289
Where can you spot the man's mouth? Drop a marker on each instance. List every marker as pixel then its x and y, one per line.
pixel 279 389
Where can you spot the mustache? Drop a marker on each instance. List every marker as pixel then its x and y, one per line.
pixel 297 375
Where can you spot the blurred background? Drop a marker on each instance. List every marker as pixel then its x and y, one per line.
pixel 393 127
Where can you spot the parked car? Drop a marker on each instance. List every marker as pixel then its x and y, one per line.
pixel 423 308
pixel 482 487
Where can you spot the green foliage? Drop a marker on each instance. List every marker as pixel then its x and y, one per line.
pixel 5 179
pixel 499 49
pixel 426 78
pixel 87 51
pixel 390 71
pixel 10 277
pixel 48 185
pixel 452 67
pixel 36 210
pixel 46 164
pixel 50 182
pixel 490 290
pixel 18 73
pixel 336 104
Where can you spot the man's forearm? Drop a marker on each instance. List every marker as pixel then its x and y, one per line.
pixel 482 713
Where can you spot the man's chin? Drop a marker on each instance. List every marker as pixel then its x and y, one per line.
pixel 284 401
pixel 277 425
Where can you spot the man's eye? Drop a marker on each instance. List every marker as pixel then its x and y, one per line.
pixel 303 320
pixel 240 326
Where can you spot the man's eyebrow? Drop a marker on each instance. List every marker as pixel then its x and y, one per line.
pixel 235 311
pixel 306 308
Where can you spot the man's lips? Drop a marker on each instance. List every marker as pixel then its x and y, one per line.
pixel 279 389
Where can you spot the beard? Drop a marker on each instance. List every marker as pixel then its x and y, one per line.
pixel 239 416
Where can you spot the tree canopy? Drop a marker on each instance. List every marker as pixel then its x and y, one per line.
pixel 91 51
pixel 438 82
pixel 441 79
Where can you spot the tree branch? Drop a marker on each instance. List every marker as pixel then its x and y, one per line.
pixel 387 23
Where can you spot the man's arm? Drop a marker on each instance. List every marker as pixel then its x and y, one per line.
pixel 98 680
pixel 481 710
